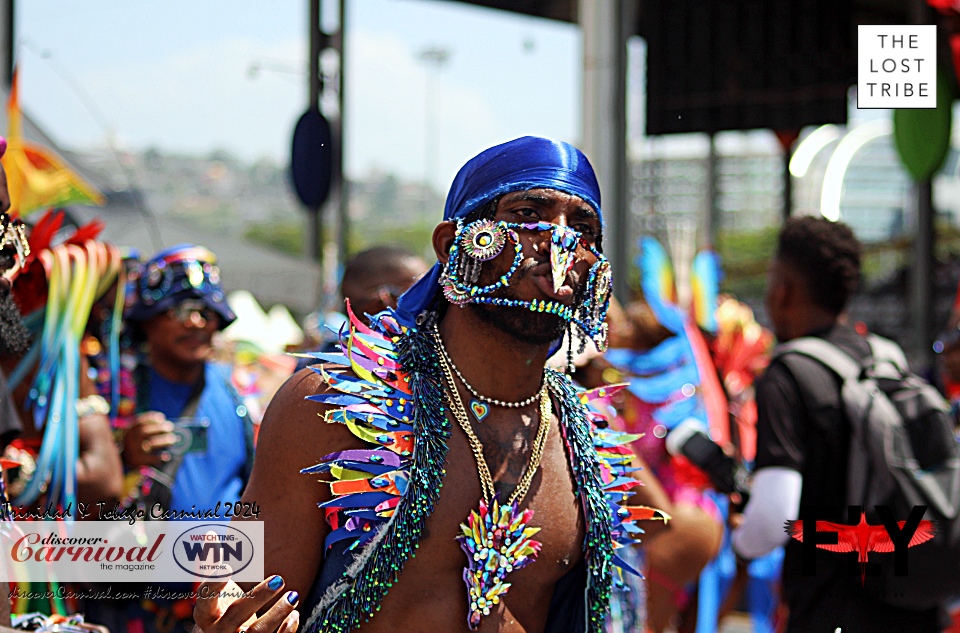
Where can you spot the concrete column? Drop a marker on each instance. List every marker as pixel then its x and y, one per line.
pixel 710 233
pixel 313 244
pixel 922 276
pixel 606 26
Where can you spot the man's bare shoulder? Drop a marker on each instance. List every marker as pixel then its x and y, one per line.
pixel 292 418
pixel 294 436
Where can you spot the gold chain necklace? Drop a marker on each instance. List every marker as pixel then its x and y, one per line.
pixel 496 538
pixel 486 480
pixel 519 404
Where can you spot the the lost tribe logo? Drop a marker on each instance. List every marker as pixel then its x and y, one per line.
pixel 890 536
pixel 213 555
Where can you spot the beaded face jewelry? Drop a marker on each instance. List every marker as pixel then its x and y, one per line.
pixel 483 240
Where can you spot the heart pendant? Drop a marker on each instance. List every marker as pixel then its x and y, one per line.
pixel 480 409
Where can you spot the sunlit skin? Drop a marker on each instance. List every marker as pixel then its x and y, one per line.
pixel 178 350
pixel 431 594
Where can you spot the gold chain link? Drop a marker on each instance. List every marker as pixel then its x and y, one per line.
pixel 460 413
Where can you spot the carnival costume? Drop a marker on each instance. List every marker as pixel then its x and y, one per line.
pixel 55 287
pixel 56 290
pixel 172 276
pixel 677 382
pixel 392 385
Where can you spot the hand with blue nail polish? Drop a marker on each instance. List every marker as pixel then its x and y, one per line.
pixel 220 609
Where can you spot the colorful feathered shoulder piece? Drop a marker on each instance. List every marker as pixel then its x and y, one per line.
pixel 615 458
pixel 373 399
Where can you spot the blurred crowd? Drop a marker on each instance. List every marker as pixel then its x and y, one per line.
pixel 122 386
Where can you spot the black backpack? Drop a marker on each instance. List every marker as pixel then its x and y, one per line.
pixel 903 453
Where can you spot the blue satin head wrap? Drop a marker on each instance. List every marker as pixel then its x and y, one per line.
pixel 529 162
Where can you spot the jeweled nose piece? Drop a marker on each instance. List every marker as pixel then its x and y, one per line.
pixel 563 246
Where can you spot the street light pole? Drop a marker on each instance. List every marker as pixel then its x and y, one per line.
pixel 435 58
pixel 314 238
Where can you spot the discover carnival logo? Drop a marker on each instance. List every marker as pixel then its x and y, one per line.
pixel 116 551
pixel 54 548
pixel 206 553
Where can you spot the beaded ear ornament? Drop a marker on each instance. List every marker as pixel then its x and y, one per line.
pixel 483 240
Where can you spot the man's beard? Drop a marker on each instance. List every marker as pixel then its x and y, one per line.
pixel 14 336
pixel 521 323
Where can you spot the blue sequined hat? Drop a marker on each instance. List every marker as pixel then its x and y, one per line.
pixel 176 274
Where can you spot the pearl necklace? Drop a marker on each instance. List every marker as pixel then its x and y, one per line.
pixel 480 410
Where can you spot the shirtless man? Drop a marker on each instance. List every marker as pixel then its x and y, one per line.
pixel 520 265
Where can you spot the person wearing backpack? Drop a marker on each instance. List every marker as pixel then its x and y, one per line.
pixel 808 437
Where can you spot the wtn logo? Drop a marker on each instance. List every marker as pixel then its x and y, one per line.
pixel 215 550
pixel 861 537
pixel 221 551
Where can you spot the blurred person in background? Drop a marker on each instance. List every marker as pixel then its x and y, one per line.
pixel 804 435
pixel 178 307
pixel 54 477
pixel 673 559
pixel 372 281
pixel 190 444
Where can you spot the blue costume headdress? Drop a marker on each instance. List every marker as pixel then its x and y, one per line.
pixel 178 273
pixel 525 163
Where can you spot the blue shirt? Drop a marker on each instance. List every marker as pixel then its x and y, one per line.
pixel 204 478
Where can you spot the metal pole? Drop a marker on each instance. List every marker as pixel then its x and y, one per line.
pixel 922 285
pixel 8 45
pixel 435 58
pixel 313 243
pixel 787 184
pixel 314 78
pixel 343 239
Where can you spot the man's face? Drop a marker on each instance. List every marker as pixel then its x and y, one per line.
pixel 183 335
pixel 533 279
pixel 382 291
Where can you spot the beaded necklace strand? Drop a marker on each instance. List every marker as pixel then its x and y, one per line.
pixel 481 411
